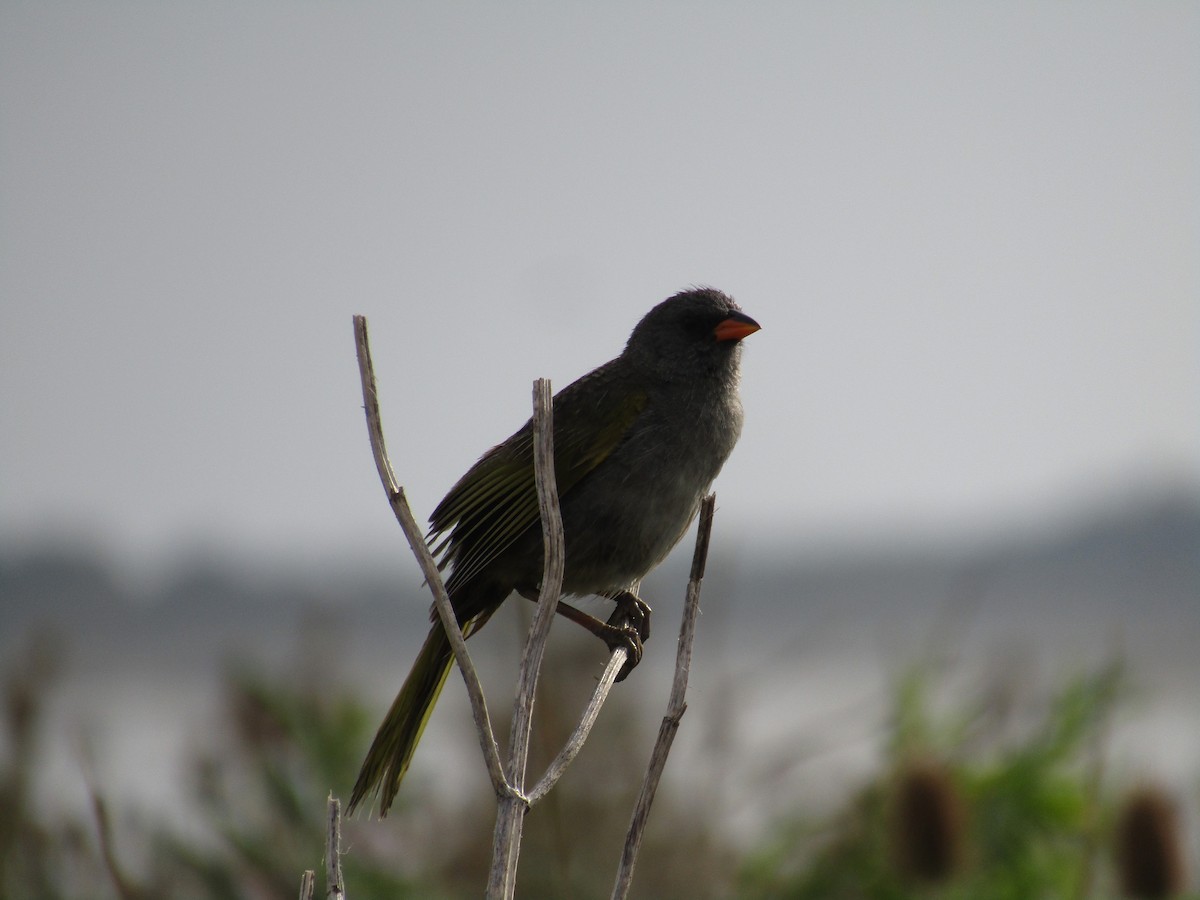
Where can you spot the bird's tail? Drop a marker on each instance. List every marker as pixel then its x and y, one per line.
pixel 392 749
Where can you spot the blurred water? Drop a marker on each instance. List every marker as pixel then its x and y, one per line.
pixel 796 659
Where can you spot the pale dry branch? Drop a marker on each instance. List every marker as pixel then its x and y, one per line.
pixel 553 569
pixel 509 784
pixel 399 504
pixel 676 705
pixel 510 815
pixel 335 889
pixel 575 743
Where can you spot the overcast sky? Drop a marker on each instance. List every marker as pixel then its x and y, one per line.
pixel 971 233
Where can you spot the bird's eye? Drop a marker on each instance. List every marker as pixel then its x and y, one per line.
pixel 708 326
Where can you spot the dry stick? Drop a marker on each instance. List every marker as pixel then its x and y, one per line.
pixel 553 570
pixel 510 815
pixel 575 743
pixel 121 883
pixel 308 884
pixel 395 493
pixel 675 706
pixel 1093 782
pixel 509 796
pixel 334 888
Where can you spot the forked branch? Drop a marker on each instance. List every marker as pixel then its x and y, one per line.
pixel 399 504
pixel 509 781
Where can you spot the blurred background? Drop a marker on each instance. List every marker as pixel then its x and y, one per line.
pixel 969 482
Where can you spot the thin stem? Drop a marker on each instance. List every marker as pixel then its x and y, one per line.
pixel 552 578
pixel 399 504
pixel 335 889
pixel 509 787
pixel 676 705
pixel 575 743
pixel 511 813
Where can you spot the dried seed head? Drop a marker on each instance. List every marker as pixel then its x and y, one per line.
pixel 1149 846
pixel 927 823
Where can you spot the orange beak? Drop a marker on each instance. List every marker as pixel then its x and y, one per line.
pixel 736 327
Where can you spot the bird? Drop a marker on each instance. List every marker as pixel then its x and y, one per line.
pixel 638 442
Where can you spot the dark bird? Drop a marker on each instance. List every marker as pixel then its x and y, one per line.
pixel 637 444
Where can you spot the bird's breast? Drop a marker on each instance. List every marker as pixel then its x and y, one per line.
pixel 626 515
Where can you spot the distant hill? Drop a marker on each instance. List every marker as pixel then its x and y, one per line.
pixel 1142 562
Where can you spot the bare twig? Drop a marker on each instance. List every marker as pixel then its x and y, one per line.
pixel 676 706
pixel 510 815
pixel 509 786
pixel 308 884
pixel 395 493
pixel 552 578
pixel 574 744
pixel 124 887
pixel 334 888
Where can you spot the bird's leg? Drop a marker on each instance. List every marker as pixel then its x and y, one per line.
pixel 613 635
pixel 633 610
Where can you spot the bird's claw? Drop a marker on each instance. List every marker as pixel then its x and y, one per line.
pixel 626 638
pixel 631 610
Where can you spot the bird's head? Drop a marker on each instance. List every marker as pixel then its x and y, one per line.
pixel 690 335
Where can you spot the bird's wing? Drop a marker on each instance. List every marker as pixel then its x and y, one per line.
pixel 496 501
